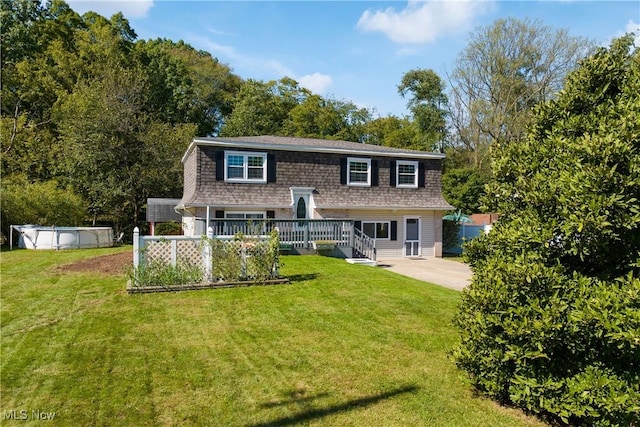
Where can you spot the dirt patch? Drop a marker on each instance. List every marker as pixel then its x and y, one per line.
pixel 107 264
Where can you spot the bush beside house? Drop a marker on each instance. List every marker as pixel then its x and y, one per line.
pixel 551 320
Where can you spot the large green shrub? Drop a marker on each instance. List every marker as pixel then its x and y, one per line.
pixel 551 320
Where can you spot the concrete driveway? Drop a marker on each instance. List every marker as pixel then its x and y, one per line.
pixel 450 274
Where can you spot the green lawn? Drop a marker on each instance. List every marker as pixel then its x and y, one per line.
pixel 342 345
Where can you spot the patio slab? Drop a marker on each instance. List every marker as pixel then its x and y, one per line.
pixel 450 274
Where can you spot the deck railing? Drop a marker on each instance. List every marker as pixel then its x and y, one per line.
pixel 298 233
pixel 363 245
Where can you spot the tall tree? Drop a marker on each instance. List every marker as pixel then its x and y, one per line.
pixel 318 117
pixel 428 105
pixel 551 320
pixel 117 155
pixel 506 69
pixel 262 108
pixel 393 131
pixel 88 107
pixel 188 85
pixel 32 36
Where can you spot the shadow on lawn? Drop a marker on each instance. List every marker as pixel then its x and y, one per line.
pixel 311 414
pixel 302 277
pixel 296 397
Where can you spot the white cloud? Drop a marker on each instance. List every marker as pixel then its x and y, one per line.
pixel 275 66
pixel 220 33
pixel 260 68
pixel 214 48
pixel 129 8
pixel 316 82
pixel 633 27
pixel 423 22
pixel 269 67
pixel 630 27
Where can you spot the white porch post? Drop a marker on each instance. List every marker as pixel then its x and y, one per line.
pixel 136 247
pixel 206 227
pixel 206 253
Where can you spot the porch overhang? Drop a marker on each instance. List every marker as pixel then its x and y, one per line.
pixel 184 206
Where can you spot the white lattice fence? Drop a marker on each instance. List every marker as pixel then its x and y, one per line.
pixel 173 251
pixel 222 258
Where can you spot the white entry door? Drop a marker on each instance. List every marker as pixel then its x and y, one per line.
pixel 411 236
pixel 302 202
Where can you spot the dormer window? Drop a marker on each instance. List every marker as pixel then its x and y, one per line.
pixel 407 174
pixel 359 172
pixel 245 167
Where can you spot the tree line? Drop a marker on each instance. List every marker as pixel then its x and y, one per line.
pixel 103 118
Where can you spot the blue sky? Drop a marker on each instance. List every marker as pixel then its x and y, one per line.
pixel 352 50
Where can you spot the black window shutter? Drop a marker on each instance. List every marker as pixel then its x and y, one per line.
pixel 394 230
pixel 421 174
pixel 219 165
pixel 343 171
pixel 271 214
pixel 374 173
pixel 392 173
pixel 271 168
pixel 357 225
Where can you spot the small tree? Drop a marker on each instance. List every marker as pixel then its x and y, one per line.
pixel 41 203
pixel 551 320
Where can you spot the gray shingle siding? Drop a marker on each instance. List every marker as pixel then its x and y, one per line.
pixel 310 169
pixel 191 176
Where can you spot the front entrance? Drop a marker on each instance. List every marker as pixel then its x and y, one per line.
pixel 411 236
pixel 302 202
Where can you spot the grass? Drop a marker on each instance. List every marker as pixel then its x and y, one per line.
pixel 342 345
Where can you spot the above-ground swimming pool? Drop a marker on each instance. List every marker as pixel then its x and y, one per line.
pixel 39 237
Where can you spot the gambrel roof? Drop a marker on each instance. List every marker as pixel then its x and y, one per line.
pixel 309 163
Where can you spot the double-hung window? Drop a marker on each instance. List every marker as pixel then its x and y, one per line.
pixel 243 222
pixel 244 215
pixel 407 174
pixel 359 172
pixel 245 166
pixel 376 229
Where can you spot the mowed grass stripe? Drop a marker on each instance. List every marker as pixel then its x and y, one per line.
pixel 341 345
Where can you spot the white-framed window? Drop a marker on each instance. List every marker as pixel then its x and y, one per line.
pixel 244 215
pixel 379 230
pixel 359 172
pixel 243 222
pixel 242 166
pixel 407 174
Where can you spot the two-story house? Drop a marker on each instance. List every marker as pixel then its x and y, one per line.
pixel 393 195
